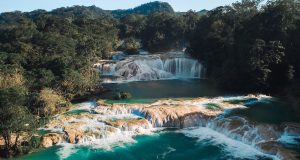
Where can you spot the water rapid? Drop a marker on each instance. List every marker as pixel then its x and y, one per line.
pixel 204 125
pixel 209 120
pixel 173 65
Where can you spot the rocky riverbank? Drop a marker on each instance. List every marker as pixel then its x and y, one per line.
pixel 107 125
pixel 108 120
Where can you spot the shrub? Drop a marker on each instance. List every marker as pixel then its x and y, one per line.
pixel 52 102
pixel 131 46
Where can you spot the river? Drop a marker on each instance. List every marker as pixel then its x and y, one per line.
pixel 263 129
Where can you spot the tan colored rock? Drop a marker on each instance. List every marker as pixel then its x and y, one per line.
pixel 74 132
pixel 192 120
pixel 50 139
pixel 111 129
pixel 179 113
pixel 168 116
pixel 110 119
pixel 129 124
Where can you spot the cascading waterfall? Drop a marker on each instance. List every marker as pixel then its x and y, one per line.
pixel 245 139
pixel 106 126
pixel 173 65
pixel 183 67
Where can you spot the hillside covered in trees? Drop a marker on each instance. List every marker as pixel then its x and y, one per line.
pixel 47 57
pixel 145 9
pixel 257 48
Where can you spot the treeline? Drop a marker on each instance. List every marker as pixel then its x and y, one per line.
pixel 144 9
pixel 45 61
pixel 47 58
pixel 251 47
pixel 158 31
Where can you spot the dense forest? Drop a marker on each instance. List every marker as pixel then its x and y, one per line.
pixel 251 47
pixel 47 56
pixel 256 48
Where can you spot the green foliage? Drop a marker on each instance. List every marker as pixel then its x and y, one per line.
pixel 130 46
pixel 132 25
pixel 261 58
pixel 46 47
pixel 78 82
pixel 145 9
pixel 190 20
pixel 51 102
pixel 11 77
pixel 247 48
pixel 47 57
pixel 12 96
pixel 159 31
pixel 14 120
pixel 163 31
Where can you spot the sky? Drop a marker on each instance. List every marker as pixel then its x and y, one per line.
pixel 178 5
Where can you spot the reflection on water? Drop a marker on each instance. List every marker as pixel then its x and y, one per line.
pixel 274 112
pixel 166 89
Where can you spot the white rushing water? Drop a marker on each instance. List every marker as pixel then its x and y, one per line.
pixel 173 65
pixel 237 136
pixel 231 147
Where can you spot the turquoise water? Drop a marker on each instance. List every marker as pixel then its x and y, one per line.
pixel 151 90
pixel 166 145
pixel 193 144
pixel 272 112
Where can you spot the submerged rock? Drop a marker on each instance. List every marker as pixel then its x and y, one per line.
pixel 122 95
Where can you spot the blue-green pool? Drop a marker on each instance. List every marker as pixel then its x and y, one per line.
pixel 188 144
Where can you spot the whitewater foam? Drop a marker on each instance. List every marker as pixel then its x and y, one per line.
pixel 66 150
pixel 173 65
pixel 238 139
pixel 85 106
pixel 163 155
pixel 105 143
pixel 232 148
pixel 289 139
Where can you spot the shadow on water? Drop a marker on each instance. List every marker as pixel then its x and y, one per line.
pixel 165 89
pixel 276 111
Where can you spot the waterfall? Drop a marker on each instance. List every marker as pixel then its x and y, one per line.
pixel 173 65
pixel 183 67
pixel 117 124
